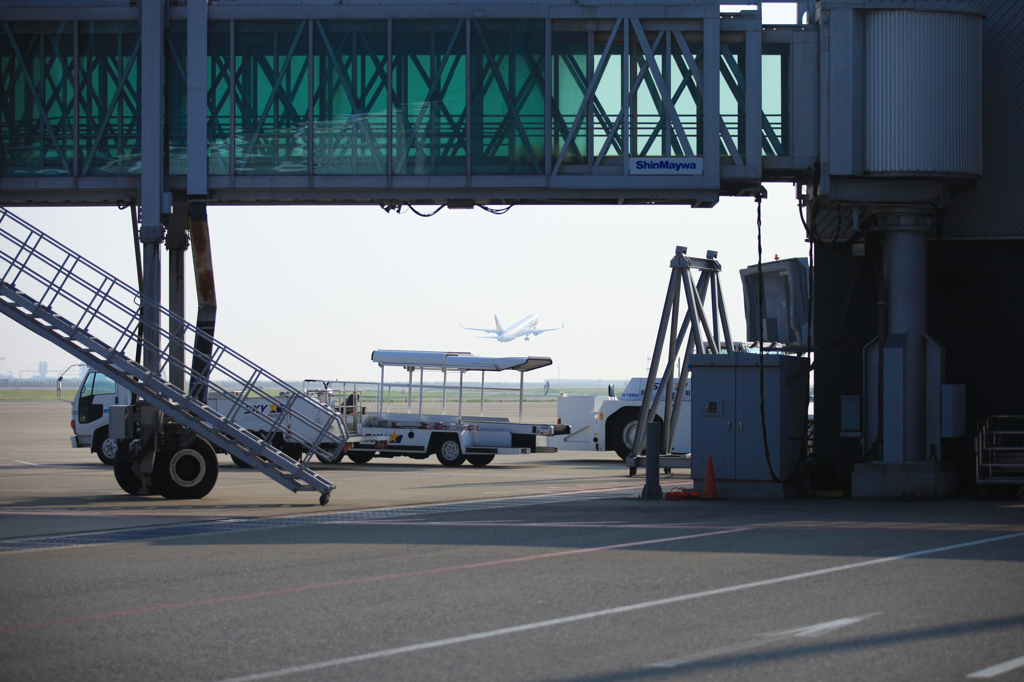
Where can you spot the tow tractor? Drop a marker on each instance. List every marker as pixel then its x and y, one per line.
pixel 452 438
pixel 610 422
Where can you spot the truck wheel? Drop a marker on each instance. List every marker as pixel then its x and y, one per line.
pixel 240 463
pixel 360 457
pixel 327 459
pixel 108 451
pixel 621 430
pixel 126 477
pixel 450 453
pixel 105 447
pixel 480 460
pixel 186 474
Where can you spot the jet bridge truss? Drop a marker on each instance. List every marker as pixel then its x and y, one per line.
pixel 387 103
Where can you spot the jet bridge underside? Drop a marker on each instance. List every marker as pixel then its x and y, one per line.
pixel 403 104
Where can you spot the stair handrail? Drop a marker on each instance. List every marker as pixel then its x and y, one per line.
pixel 35 250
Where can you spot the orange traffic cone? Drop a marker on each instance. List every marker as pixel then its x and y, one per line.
pixel 710 488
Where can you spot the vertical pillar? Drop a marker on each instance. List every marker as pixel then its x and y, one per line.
pixel 206 297
pixel 906 270
pixel 910 374
pixel 197 89
pixel 196 187
pixel 151 181
pixel 176 243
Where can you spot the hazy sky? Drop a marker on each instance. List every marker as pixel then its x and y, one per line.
pixel 311 292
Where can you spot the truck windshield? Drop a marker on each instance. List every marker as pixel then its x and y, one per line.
pixel 97 384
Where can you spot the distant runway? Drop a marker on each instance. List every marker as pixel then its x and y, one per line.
pixel 546 569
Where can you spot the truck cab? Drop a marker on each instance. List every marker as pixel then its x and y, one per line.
pixel 90 415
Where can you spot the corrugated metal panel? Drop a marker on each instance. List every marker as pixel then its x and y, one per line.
pixel 923 92
pixel 992 207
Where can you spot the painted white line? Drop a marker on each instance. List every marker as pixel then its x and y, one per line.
pixel 31 464
pixel 761 640
pixel 526 627
pixel 822 628
pixel 999 669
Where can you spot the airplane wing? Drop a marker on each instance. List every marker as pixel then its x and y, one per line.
pixel 541 331
pixel 477 329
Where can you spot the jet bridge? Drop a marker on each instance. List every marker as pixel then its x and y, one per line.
pixel 872 107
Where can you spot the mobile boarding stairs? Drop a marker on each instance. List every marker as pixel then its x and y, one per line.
pixel 71 302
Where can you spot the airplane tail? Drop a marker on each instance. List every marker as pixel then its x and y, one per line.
pixel 497 325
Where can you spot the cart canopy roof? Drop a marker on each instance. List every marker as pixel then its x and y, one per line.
pixel 455 361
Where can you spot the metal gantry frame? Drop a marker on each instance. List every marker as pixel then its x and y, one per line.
pixel 693 333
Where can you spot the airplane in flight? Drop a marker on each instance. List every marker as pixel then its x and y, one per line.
pixel 523 328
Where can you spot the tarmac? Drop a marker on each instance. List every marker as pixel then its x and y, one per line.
pixel 541 567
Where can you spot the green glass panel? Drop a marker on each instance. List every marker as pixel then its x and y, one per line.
pixel 110 122
pixel 218 79
pixel 732 95
pixel 569 82
pixel 175 98
pixel 775 99
pixel 271 97
pixel 429 97
pixel 350 99
pixel 686 97
pixel 652 131
pixel 607 98
pixel 507 96
pixel 36 108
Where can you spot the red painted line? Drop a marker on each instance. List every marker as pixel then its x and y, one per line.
pixel 355 581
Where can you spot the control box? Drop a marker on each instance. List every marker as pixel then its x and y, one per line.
pixel 726 423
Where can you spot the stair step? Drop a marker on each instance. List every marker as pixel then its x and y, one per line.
pixel 76 338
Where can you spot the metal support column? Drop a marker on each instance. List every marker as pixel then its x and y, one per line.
pixel 176 243
pixel 906 271
pixel 151 182
pixel 206 297
pixel 197 91
pixel 912 369
pixel 652 486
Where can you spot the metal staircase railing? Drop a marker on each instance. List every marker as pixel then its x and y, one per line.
pixel 66 299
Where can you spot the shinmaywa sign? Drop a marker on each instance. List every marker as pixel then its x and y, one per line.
pixel 666 165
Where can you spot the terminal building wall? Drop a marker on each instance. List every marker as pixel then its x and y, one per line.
pixel 975 274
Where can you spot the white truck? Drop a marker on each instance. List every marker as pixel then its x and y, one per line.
pixel 452 438
pixel 609 423
pixel 91 418
pixel 90 415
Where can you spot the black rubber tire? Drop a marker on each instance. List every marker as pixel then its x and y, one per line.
pixel 360 457
pixel 240 463
pixel 105 448
pixel 621 429
pixel 480 460
pixel 186 474
pixel 129 481
pixel 326 459
pixel 449 452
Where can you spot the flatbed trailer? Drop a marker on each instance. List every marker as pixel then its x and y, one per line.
pixel 452 438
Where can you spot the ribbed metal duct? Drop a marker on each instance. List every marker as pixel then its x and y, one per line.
pixel 923 93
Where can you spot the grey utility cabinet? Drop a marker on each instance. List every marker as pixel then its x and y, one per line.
pixel 726 423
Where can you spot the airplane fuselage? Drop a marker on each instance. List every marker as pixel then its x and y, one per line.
pixel 521 328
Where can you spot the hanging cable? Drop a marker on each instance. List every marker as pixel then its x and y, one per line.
pixel 760 340
pixel 760 359
pixel 496 211
pixel 425 215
